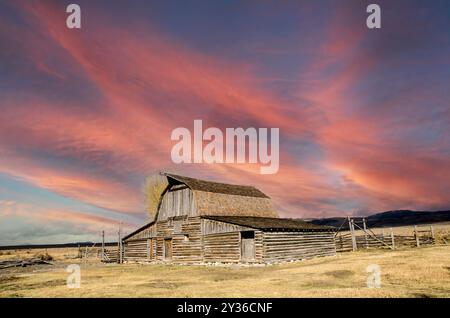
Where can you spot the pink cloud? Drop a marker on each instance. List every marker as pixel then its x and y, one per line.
pixel 150 85
pixel 86 222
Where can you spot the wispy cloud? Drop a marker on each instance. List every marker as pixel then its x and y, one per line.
pixel 364 122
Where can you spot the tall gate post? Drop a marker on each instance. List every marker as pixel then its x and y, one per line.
pixel 365 233
pixel 433 239
pixel 352 231
pixel 120 243
pixel 392 239
pixel 416 234
pixel 103 246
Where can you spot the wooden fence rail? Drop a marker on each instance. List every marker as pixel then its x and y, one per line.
pixel 350 241
pixel 111 255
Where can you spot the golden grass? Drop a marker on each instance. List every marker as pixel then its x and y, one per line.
pixel 415 272
pixel 59 254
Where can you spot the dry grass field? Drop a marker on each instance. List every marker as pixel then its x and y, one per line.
pixel 414 272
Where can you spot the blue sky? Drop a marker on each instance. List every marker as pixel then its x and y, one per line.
pixel 87 114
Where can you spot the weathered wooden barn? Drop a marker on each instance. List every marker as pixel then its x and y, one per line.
pixel 200 222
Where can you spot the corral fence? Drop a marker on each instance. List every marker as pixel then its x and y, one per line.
pixel 113 254
pixel 110 255
pixel 106 252
pixel 360 236
pixel 90 252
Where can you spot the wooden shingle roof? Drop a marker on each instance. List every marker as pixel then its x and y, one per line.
pixel 216 187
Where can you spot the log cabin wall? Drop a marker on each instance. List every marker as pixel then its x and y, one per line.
pixel 222 242
pixel 140 250
pixel 187 246
pixel 184 234
pixel 141 247
pixel 222 247
pixel 195 240
pixel 288 246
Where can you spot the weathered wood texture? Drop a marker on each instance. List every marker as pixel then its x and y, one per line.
pixel 111 255
pixel 222 247
pixel 178 201
pixel 215 227
pixel 222 243
pixel 186 239
pixel 288 246
pixel 344 241
pixel 142 250
pixel 185 236
pixel 226 247
pixel 144 234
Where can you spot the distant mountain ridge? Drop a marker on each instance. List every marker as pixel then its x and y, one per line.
pixel 390 219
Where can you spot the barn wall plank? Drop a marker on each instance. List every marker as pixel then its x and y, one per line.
pixel 289 246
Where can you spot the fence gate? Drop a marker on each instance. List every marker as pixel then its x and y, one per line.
pixel 360 236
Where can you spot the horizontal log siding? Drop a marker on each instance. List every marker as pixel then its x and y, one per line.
pixel 289 246
pixel 137 250
pixel 182 251
pixel 188 251
pixel 222 247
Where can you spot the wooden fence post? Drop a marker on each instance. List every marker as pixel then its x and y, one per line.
pixel 374 236
pixel 103 245
pixel 120 244
pixel 392 239
pixel 433 240
pixel 365 233
pixel 416 234
pixel 352 231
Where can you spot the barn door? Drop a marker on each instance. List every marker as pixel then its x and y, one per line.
pixel 168 249
pixel 247 246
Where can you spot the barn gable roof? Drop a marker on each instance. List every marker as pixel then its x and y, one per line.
pixel 217 187
pixel 214 198
pixel 271 224
pixel 145 226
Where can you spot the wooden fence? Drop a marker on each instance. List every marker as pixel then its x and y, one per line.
pixel 349 241
pixel 110 255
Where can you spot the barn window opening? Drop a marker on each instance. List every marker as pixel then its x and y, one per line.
pixel 248 235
